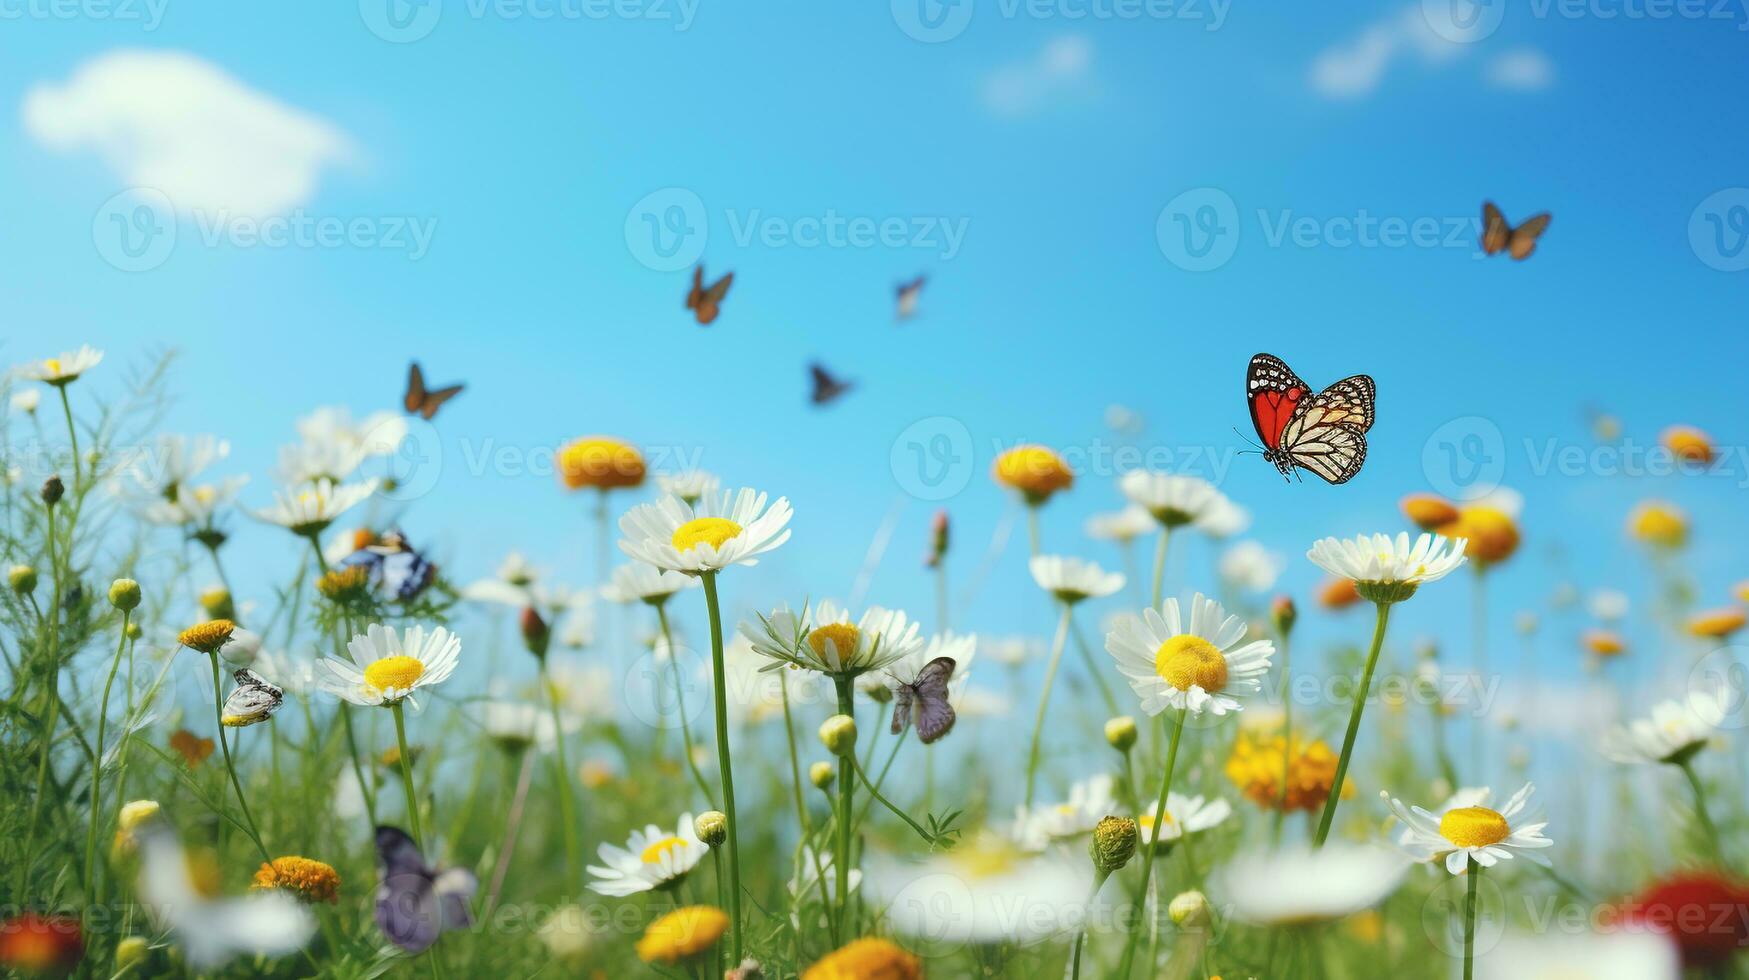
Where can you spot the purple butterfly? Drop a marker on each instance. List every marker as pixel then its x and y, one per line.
pixel 928 690
pixel 415 904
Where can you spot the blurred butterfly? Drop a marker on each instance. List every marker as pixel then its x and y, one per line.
pixel 704 302
pixel 422 401
pixel 254 700
pixel 1498 236
pixel 1324 433
pixel 928 692
pixel 907 295
pixel 394 567
pixel 415 903
pixel 826 387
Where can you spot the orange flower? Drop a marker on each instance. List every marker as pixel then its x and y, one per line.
pixel 1686 442
pixel 866 959
pixel 1604 643
pixel 601 462
pixel 682 934
pixel 1338 593
pixel 191 747
pixel 1255 767
pixel 1491 533
pixel 1717 624
pixel 1659 524
pixel 1429 512
pixel 47 945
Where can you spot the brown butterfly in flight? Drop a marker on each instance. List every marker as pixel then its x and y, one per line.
pixel 1498 236
pixel 423 401
pixel 826 387
pixel 906 294
pixel 704 302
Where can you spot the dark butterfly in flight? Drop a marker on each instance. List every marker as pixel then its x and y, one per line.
pixel 1498 236
pixel 421 400
pixel 394 568
pixel 928 693
pixel 254 700
pixel 826 387
pixel 907 294
pixel 1323 432
pixel 704 302
pixel 415 903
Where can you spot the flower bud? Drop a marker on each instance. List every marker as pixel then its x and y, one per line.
pixel 134 631
pixel 1120 733
pixel 838 733
pixel 22 579
pixel 1429 512
pixel 712 827
pixel 535 632
pixel 1114 843
pixel 131 951
pixel 938 535
pixel 1282 614
pixel 124 594
pixel 136 812
pixel 52 491
pixel 821 774
pixel 216 603
pixel 1189 909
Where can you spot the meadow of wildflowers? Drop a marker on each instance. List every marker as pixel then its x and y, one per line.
pixel 375 769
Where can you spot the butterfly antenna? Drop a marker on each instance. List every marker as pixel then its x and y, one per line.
pixel 1248 439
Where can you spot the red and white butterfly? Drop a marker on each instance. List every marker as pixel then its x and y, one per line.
pixel 1323 432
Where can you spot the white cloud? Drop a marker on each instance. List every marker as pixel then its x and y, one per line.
pixel 1059 72
pixel 1523 69
pixel 181 125
pixel 1355 68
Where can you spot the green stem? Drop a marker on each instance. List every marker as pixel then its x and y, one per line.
pixel 407 789
pixel 1700 811
pixel 1111 709
pixel 1081 934
pixel 876 793
pixel 881 779
pixel 1372 660
pixel 1129 949
pixel 1160 565
pixel 49 640
pixel 97 770
pixel 72 433
pixel 725 762
pixel 1475 874
pixel 680 705
pixel 567 797
pixel 230 767
pixel 802 821
pixel 846 688
pixel 1044 699
pixel 1032 527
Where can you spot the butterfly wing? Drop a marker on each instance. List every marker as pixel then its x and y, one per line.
pixel 408 909
pixel 935 716
pixel 455 889
pixel 405 574
pixel 719 289
pixel 826 387
pixel 696 293
pixel 1495 230
pixel 414 399
pixel 1328 435
pixel 254 700
pixel 1274 392
pixel 903 696
pixel 434 400
pixel 1522 241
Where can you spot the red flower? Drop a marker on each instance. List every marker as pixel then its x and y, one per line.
pixel 1705 913
pixel 50 945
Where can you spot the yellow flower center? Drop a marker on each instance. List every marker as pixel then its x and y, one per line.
pixel 657 850
pixel 207 637
pixel 397 673
pixel 1473 826
pixel 984 860
pixel 844 637
pixel 704 530
pixel 682 934
pixel 310 880
pixel 1187 661
pixel 53 364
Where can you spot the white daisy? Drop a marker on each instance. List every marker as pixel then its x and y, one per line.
pixel 1250 566
pixel 1610 605
pixel 196 506
pixel 1386 569
pixel 1223 519
pixel 309 509
pixel 166 468
pixel 334 445
pixel 518 725
pixel 1199 666
pixel 1090 801
pixel 1619 955
pixel 1071 580
pixel 1122 526
pixel 809 872
pixel 823 638
pixel 396 664
pixel 1173 500
pixel 26 400
pixel 971 893
pixel 724 528
pixel 1185 815
pixel 638 582
pixel 652 858
pixel 690 486
pixel 1473 831
pixel 1675 731
pixel 1300 884
pixel 64 368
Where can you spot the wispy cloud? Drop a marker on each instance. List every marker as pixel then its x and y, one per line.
pixel 185 127
pixel 1522 69
pixel 1060 73
pixel 1355 68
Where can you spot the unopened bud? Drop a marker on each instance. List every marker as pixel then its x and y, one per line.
pixel 124 594
pixel 712 827
pixel 216 603
pixel 838 734
pixel 821 774
pixel 535 632
pixel 1283 614
pixel 22 578
pixel 52 491
pixel 131 951
pixel 938 537
pixel 1189 909
pixel 1120 733
pixel 1114 843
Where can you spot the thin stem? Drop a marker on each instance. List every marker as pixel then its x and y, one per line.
pixel 562 772
pixel 802 821
pixel 1044 698
pixel 1475 874
pixel 881 779
pixel 1111 709
pixel 49 640
pixel 230 767
pixel 72 432
pixel 1081 934
pixel 680 705
pixel 941 595
pixel 1372 660
pixel 1287 741
pixel 97 770
pixel 412 795
pixel 1700 810
pixel 876 793
pixel 1032 527
pixel 1160 565
pixel 846 792
pixel 1129 949
pixel 725 762
pixel 512 824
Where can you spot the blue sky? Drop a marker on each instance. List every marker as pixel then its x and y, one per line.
pixel 526 145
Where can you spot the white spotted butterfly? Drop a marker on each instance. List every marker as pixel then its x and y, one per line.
pixel 1323 432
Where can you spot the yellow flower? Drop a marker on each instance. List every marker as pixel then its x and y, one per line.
pixel 207 637
pixel 1718 624
pixel 1742 590
pixel 1429 512
pixel 132 815
pixel 601 462
pixel 1658 523
pixel 595 775
pixel 682 934
pixel 1255 767
pixel 1686 442
pixel 866 959
pixel 1491 533
pixel 1035 471
pixel 1367 926
pixel 1603 643
pixel 308 879
pixel 342 584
